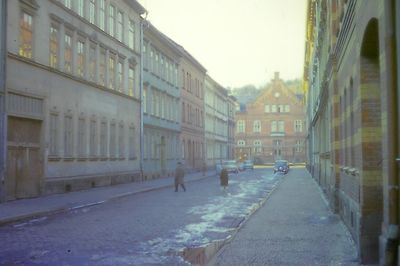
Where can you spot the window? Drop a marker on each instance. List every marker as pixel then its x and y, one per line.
pixel 241 143
pixel 53 46
pixel 92 63
pixel 267 108
pixel 121 145
pixel 162 70
pixel 120 76
pixel 111 20
pixel 183 112
pixel 281 126
pixel 145 56
pixel 131 35
pixel 156 64
pixel 81 8
pixel 111 73
pixel 274 126
pixel 53 145
pixel 68 145
pixel 113 136
pixel 241 126
pixel 102 67
pixel 93 137
pixel 25 35
pixel 287 108
pixel 257 126
pixel 131 82
pixel 257 146
pixel 152 60
pixel 132 152
pixel 298 126
pixel 120 26
pixel 102 12
pixel 80 58
pixel 67 3
pixel 145 100
pixel 67 53
pixel 92 8
pixel 103 139
pixel 81 138
pixel 273 108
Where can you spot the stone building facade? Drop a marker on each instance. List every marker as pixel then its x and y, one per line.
pixel 351 83
pixel 161 104
pixel 72 95
pixel 192 111
pixel 272 127
pixel 216 122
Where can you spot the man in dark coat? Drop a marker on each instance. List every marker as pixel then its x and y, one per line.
pixel 179 175
pixel 224 177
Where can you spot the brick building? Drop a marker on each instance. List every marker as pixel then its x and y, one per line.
pixel 351 83
pixel 272 127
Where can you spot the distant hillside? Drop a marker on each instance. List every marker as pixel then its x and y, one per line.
pixel 250 92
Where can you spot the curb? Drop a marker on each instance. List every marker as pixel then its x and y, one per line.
pixel 63 209
pixel 211 254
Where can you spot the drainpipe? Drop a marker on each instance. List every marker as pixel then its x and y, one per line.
pixel 142 23
pixel 3 116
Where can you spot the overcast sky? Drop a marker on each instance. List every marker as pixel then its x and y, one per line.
pixel 239 42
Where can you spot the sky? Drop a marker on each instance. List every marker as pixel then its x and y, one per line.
pixel 239 42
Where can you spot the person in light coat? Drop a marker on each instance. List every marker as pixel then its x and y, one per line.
pixel 179 177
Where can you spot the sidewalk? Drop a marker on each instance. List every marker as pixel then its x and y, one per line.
pixel 23 209
pixel 294 227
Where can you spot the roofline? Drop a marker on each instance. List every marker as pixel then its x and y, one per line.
pixel 136 6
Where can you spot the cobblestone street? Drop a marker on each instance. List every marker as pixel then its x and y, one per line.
pixel 151 228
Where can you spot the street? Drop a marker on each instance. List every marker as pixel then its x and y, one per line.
pixel 151 228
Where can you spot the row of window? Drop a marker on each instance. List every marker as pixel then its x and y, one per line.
pixel 220 103
pixel 192 85
pixel 216 125
pixel 276 126
pixel 160 104
pixel 192 115
pixel 277 108
pixel 81 57
pixel 157 147
pixel 92 138
pixel 192 150
pixel 257 144
pixel 159 64
pixel 107 17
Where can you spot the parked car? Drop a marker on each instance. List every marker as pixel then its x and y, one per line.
pixel 248 164
pixel 231 166
pixel 281 166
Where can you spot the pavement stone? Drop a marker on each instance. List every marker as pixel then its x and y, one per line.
pixel 24 209
pixel 294 227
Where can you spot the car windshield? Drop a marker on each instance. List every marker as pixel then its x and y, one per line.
pixel 229 162
pixel 248 162
pixel 281 163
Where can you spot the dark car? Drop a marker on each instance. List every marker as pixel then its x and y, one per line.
pixel 248 164
pixel 231 166
pixel 281 166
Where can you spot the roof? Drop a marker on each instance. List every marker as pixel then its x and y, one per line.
pixel 136 6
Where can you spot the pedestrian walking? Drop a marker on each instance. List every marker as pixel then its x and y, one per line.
pixel 224 178
pixel 179 177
